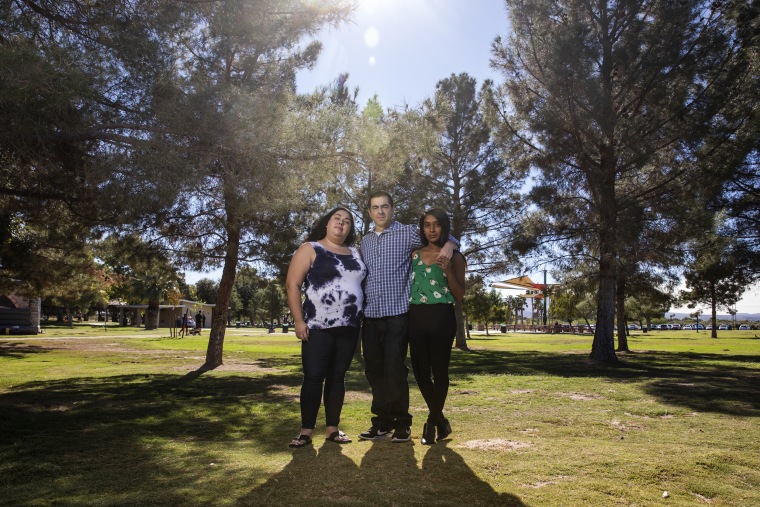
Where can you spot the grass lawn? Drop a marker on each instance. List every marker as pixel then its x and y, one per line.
pixel 94 417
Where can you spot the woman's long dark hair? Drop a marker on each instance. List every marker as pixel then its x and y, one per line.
pixel 443 220
pixel 319 230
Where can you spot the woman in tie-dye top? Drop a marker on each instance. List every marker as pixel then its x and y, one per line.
pixel 328 320
pixel 432 323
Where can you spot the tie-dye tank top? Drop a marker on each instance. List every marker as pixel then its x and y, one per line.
pixel 333 286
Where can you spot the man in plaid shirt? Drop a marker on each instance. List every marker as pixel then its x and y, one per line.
pixel 387 252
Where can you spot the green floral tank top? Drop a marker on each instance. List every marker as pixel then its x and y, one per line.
pixel 430 285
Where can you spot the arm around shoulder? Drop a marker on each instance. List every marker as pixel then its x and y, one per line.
pixel 455 274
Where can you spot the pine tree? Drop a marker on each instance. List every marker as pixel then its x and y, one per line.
pixel 610 102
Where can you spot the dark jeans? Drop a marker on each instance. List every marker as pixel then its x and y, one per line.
pixel 384 345
pixel 432 329
pixel 326 358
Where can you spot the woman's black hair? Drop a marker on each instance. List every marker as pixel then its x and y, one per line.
pixel 443 220
pixel 319 231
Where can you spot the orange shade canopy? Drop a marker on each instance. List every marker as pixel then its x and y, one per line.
pixel 534 290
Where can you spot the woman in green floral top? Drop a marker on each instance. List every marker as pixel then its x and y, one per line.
pixel 432 323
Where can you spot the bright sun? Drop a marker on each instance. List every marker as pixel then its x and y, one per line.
pixel 371 37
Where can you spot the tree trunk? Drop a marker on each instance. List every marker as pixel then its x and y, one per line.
pixel 35 305
pixel 714 311
pixel 603 347
pixel 620 307
pixel 151 315
pixel 461 342
pixel 221 311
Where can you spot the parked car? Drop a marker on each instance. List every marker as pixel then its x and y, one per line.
pixel 698 326
pixel 633 327
pixel 676 326
pixel 744 327
pixel 688 327
pixel 723 327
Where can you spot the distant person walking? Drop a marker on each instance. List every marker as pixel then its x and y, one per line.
pixel 183 332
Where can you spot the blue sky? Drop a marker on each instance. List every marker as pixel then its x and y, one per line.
pixel 399 50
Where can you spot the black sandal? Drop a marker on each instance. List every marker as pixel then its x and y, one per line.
pixel 301 441
pixel 338 437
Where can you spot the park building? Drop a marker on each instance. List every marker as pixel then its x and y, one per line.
pixel 22 315
pixel 168 315
pixel 19 314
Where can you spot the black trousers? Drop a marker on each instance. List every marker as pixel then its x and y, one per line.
pixel 432 329
pixel 326 358
pixel 384 345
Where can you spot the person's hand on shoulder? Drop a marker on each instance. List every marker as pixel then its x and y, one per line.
pixel 444 256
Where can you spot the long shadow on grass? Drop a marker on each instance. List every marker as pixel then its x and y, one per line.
pixel 387 475
pixel 703 382
pixel 135 439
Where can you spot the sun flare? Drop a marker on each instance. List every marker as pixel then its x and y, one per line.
pixel 371 37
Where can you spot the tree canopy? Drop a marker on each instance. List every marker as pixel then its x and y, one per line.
pixel 612 103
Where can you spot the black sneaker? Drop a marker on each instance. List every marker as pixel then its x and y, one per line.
pixel 374 433
pixel 403 434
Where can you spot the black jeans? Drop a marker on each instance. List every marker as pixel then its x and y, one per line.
pixel 326 358
pixel 384 345
pixel 432 329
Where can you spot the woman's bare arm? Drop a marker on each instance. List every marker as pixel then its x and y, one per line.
pixel 455 275
pixel 299 266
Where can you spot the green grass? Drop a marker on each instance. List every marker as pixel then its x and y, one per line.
pixel 128 419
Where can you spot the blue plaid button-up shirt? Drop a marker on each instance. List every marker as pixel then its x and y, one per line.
pixel 388 257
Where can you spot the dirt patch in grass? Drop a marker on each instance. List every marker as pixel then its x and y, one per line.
pixel 626 427
pixel 92 344
pixel 702 498
pixel 541 484
pixel 581 396
pixel 494 444
pixel 358 396
pixel 521 391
